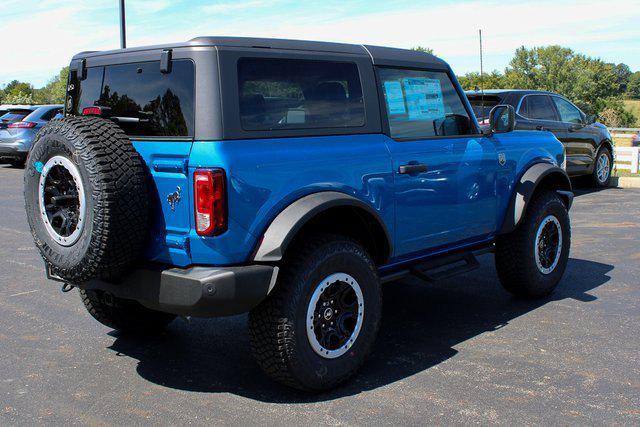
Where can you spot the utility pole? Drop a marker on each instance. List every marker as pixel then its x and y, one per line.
pixel 123 31
pixel 481 74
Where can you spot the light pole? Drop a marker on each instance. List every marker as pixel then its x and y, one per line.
pixel 123 31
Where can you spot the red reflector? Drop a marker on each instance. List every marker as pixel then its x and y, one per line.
pixel 210 202
pixel 92 111
pixel 22 125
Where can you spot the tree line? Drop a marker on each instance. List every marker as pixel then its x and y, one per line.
pixel 597 87
pixel 17 92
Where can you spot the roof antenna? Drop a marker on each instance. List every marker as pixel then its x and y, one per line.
pixel 123 31
pixel 481 75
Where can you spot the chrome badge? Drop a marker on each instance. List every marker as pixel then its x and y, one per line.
pixel 174 198
pixel 502 159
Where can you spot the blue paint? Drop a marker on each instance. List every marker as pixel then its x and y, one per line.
pixel 38 165
pixel 459 201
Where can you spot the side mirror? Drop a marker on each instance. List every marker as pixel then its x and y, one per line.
pixel 502 119
pixel 591 119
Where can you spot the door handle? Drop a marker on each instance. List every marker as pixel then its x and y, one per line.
pixel 412 168
pixel 539 127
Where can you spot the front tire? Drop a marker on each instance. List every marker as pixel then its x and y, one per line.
pixel 531 260
pixel 601 175
pixel 320 322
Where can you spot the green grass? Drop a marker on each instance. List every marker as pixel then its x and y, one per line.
pixel 633 106
pixel 621 173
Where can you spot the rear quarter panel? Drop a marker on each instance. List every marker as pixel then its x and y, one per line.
pixel 266 175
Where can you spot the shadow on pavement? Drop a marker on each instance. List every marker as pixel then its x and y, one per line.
pixel 422 323
pixel 583 185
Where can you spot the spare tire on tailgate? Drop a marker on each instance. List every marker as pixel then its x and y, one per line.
pixel 86 198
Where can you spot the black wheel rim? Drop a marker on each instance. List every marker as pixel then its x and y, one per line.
pixel 61 199
pixel 548 244
pixel 335 315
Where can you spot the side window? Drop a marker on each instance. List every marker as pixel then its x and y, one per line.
pixel 568 112
pixel 141 99
pixel 422 104
pixel 299 94
pixel 537 107
pixel 51 114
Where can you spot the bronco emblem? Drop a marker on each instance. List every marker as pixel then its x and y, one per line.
pixel 502 159
pixel 174 198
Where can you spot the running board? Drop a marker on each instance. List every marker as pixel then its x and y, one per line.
pixel 445 267
pixel 439 268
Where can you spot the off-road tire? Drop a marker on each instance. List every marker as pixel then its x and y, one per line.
pixel 515 256
pixel 123 315
pixel 115 188
pixel 277 327
pixel 594 175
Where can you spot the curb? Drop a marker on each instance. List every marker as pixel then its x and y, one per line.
pixel 625 182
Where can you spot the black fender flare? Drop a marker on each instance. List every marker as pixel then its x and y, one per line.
pixel 546 174
pixel 287 223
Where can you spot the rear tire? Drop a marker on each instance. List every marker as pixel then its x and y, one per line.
pixel 86 198
pixel 601 175
pixel 320 322
pixel 124 315
pixel 531 260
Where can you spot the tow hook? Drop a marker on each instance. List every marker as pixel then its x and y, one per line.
pixel 66 287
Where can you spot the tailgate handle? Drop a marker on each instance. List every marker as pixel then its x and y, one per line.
pixel 175 166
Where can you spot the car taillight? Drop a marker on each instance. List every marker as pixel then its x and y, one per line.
pixel 22 125
pixel 92 111
pixel 210 201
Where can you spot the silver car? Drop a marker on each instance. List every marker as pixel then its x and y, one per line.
pixel 18 128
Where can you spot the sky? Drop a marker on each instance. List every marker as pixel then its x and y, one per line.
pixel 39 37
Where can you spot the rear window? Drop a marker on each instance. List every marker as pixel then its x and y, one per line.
pixel 15 116
pixel 299 94
pixel 482 108
pixel 141 99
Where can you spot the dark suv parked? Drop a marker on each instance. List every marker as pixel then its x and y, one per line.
pixel 589 145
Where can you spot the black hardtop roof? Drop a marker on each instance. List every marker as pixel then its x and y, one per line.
pixel 379 55
pixel 507 92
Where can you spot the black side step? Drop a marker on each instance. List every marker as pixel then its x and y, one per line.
pixel 442 268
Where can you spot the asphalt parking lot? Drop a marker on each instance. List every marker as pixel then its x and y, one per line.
pixel 459 351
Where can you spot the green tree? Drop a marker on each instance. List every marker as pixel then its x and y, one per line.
pixel 17 92
pixel 423 49
pixel 623 73
pixel 473 81
pixel 612 113
pixel 633 86
pixel 54 91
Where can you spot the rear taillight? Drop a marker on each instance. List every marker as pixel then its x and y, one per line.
pixel 210 201
pixel 22 125
pixel 92 111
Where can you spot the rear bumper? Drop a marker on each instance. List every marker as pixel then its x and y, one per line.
pixel 13 151
pixel 194 291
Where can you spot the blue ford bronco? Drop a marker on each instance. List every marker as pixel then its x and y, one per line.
pixel 286 179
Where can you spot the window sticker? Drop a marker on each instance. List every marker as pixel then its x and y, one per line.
pixel 424 98
pixel 395 97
